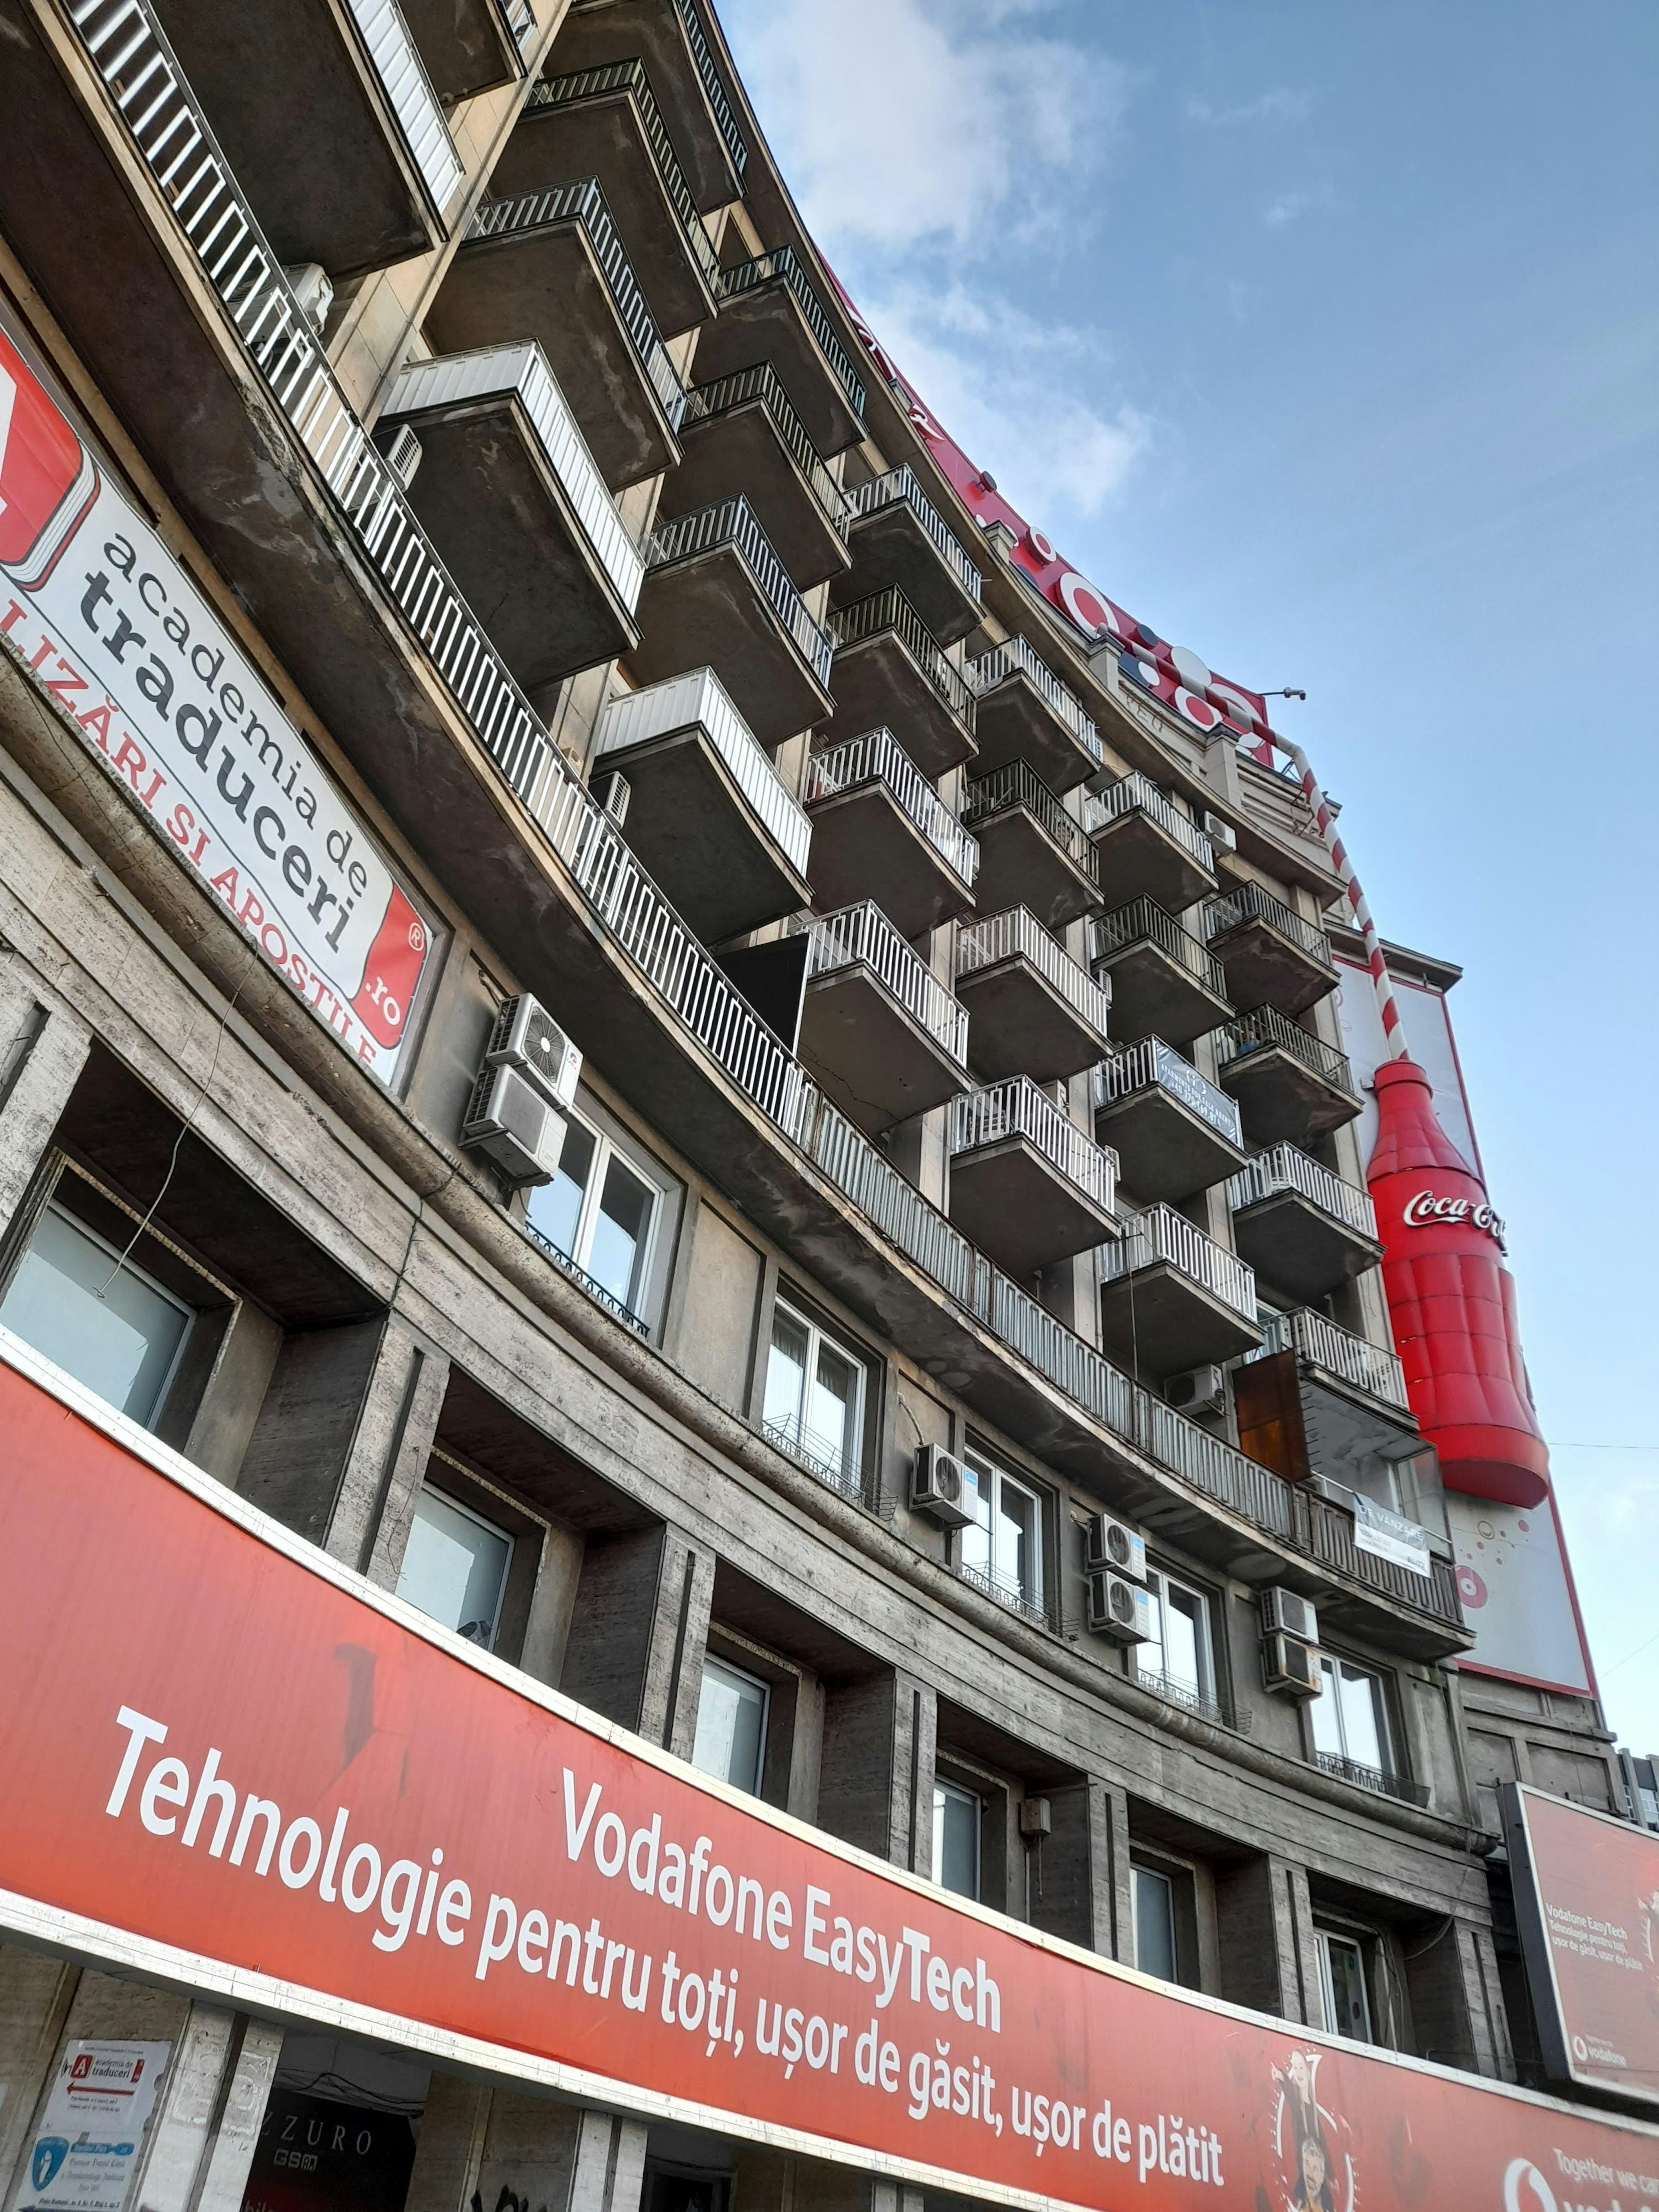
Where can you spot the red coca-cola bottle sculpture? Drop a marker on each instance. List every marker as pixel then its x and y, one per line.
pixel 1451 1299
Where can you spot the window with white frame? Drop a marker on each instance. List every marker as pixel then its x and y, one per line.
pixel 455 1567
pixel 814 1399
pixel 1154 1909
pixel 1179 1657
pixel 97 1316
pixel 1003 1544
pixel 732 1711
pixel 1342 1984
pixel 1350 1718
pixel 957 1816
pixel 601 1210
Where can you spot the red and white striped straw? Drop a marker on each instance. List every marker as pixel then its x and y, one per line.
pixel 1381 982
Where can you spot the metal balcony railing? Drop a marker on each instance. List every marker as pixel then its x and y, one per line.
pixel 583 202
pixel 725 121
pixel 1286 1167
pixel 415 105
pixel 1162 1234
pixel 630 76
pixel 1017 1107
pixel 1250 903
pixel 519 17
pixel 1219 1711
pixel 1016 933
pixel 782 265
pixel 818 1454
pixel 891 610
pixel 1153 1065
pixel 1265 1029
pixel 733 522
pixel 1376 1779
pixel 585 1282
pixel 877 757
pixel 1015 784
pixel 1217 1468
pixel 761 384
pixel 900 484
pixel 1326 1533
pixel 1014 657
pixel 1135 794
pixel 700 699
pixel 1006 1590
pixel 862 935
pixel 1325 1344
pixel 1144 921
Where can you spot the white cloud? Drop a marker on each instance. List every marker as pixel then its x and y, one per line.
pixel 1290 207
pixel 1281 105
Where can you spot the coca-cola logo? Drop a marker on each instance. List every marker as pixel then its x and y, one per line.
pixel 1426 1210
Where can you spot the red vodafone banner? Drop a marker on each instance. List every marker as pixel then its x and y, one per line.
pixel 217 1741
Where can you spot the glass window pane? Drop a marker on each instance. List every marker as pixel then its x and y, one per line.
pixel 617 1243
pixel 1362 1730
pixel 974 1543
pixel 1015 1539
pixel 123 1343
pixel 1155 1943
pixel 730 1741
pixel 955 1840
pixel 455 1567
pixel 1327 1712
pixel 832 1410
pixel 556 1208
pixel 1345 1987
pixel 1184 1640
pixel 785 1373
pixel 1149 1655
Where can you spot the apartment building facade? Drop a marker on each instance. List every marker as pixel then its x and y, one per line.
pixel 642 1050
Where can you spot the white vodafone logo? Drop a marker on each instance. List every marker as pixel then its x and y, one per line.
pixel 1525 2189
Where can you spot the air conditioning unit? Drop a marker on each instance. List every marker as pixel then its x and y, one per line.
pixel 403 454
pixel 1119 1608
pixel 526 1036
pixel 1112 1544
pixel 941 1487
pixel 613 793
pixel 1282 1611
pixel 313 293
pixel 1199 1390
pixel 1220 833
pixel 1291 1666
pixel 512 1122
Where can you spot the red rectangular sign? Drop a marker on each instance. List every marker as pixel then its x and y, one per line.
pixel 216 1746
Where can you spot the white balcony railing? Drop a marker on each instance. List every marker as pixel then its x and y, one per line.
pixel 1017 934
pixel 861 935
pixel 878 758
pixel 521 372
pixel 419 116
pixel 1135 794
pixel 1251 903
pixel 1162 1234
pixel 1018 1109
pixel 1325 1344
pixel 1286 1167
pixel 1015 657
pixel 733 522
pixel 698 701
pixel 900 485
pixel 1151 1063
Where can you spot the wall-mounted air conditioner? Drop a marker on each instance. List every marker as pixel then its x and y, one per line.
pixel 1220 833
pixel 1285 1611
pixel 1119 1608
pixel 941 1487
pixel 1110 1543
pixel 512 1122
pixel 313 290
pixel 1291 1666
pixel 526 1036
pixel 1199 1390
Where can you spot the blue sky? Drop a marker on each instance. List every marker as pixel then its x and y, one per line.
pixel 1327 338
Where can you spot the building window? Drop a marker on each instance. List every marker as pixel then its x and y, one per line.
pixel 1351 1717
pixel 1342 1981
pixel 814 1400
pixel 1003 1546
pixel 956 1838
pixel 1154 1909
pixel 599 1210
pixel 455 1567
pixel 1178 1658
pixel 731 1716
pixel 99 1317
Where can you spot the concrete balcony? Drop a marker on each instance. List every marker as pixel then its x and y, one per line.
pixel 898 536
pixel 515 505
pixel 605 124
pixel 1026 1185
pixel 890 669
pixel 1171 1297
pixel 1272 956
pixel 1175 1134
pixel 550 265
pixel 328 118
pixel 1337 1358
pixel 880 831
pixel 770 310
pixel 669 36
pixel 1035 1012
pixel 883 1036
pixel 1146 847
pixel 1031 853
pixel 1026 714
pixel 716 592
pixel 470 45
pixel 741 434
pixel 1164 982
pixel 708 813
pixel 1302 1228
pixel 1288 1082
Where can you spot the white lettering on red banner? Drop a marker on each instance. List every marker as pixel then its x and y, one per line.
pixel 1426 1210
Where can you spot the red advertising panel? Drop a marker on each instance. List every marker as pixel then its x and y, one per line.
pixel 215 1740
pixel 1587 1899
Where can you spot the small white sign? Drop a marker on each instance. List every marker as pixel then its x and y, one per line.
pixel 86 2148
pixel 1390 1536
